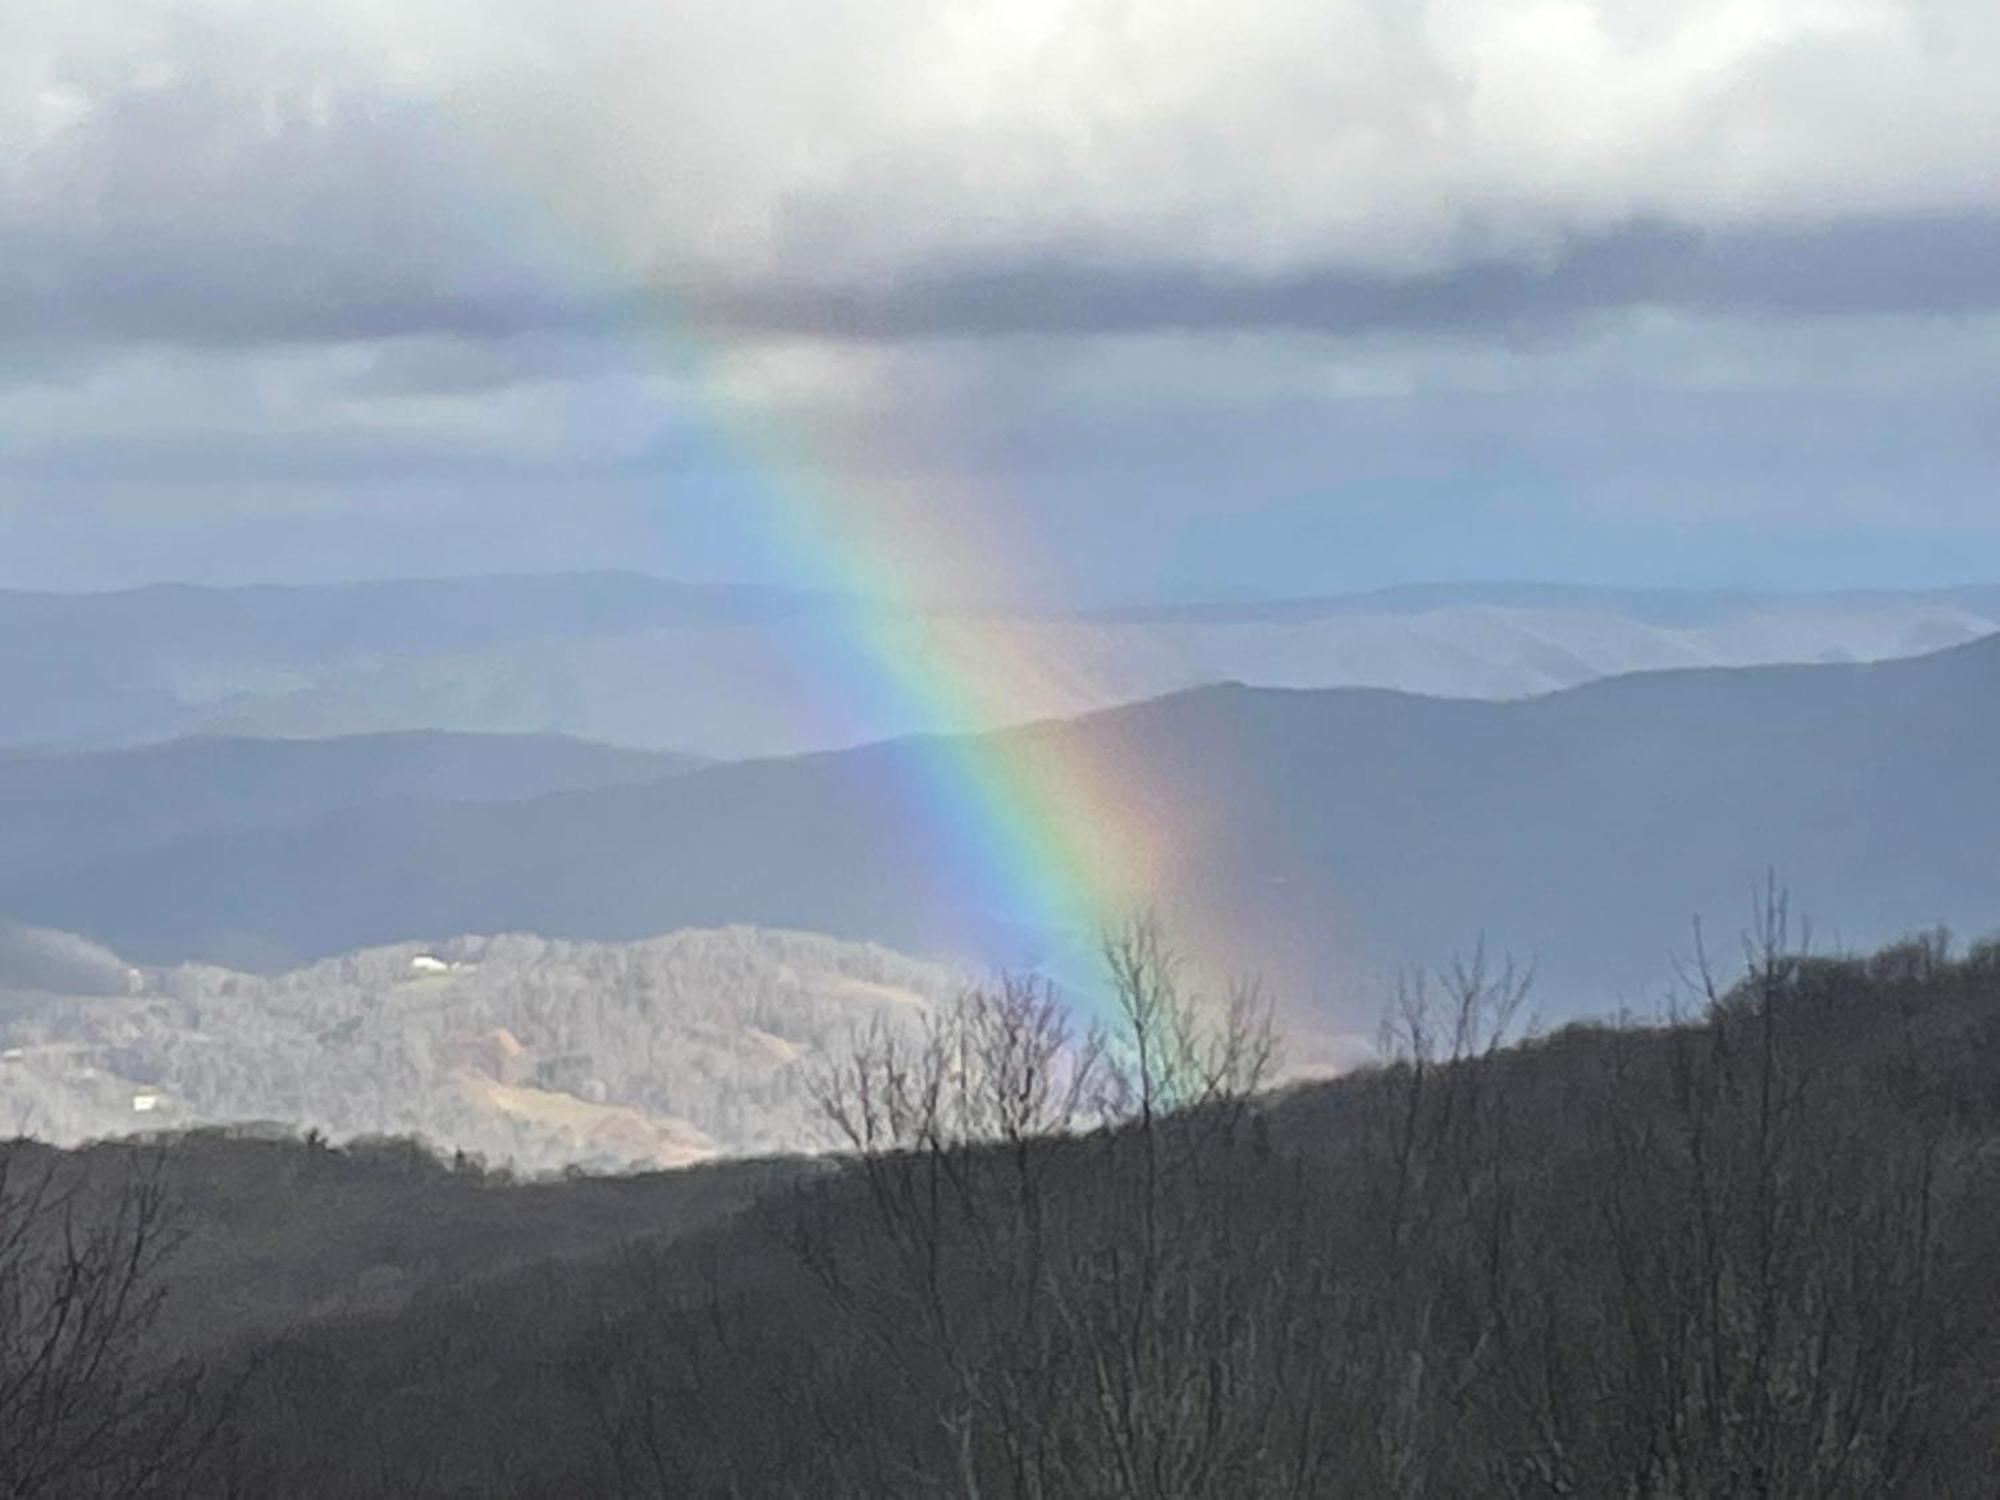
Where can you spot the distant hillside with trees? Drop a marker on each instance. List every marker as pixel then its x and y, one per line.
pixel 522 1051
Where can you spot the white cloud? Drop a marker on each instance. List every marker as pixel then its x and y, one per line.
pixel 861 139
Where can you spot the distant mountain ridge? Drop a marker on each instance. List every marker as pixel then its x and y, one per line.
pixel 732 673
pixel 148 663
pixel 1327 835
pixel 1673 607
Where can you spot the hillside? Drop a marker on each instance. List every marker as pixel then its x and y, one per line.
pixel 282 1228
pixel 1749 1252
pixel 61 812
pixel 1331 835
pixel 519 1050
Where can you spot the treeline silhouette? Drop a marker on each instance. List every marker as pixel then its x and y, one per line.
pixel 1742 1251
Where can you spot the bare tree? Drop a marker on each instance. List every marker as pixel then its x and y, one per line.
pixel 85 1408
pixel 1075 1180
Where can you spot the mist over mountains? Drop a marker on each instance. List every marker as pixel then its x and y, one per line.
pixel 1333 834
pixel 169 659
pixel 728 672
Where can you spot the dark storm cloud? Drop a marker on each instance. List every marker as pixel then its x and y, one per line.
pixel 1928 264
pixel 1936 264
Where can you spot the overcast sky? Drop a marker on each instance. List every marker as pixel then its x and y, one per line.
pixel 1156 298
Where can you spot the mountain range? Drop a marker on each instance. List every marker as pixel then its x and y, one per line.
pixel 1328 836
pixel 728 673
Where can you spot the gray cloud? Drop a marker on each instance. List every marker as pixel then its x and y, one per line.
pixel 341 170
pixel 1923 264
pixel 1928 264
pixel 1411 289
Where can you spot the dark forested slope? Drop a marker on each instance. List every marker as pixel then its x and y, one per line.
pixel 1745 1254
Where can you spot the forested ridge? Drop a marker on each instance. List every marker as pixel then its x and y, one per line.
pixel 1745 1250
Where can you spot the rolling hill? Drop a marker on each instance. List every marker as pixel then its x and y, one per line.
pixel 61 812
pixel 521 1050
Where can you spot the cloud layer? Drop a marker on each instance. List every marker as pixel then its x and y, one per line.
pixel 1732 259
pixel 335 168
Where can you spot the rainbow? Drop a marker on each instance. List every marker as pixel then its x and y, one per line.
pixel 1039 829
pixel 1034 828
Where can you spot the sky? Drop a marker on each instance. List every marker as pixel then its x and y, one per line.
pixel 1165 300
